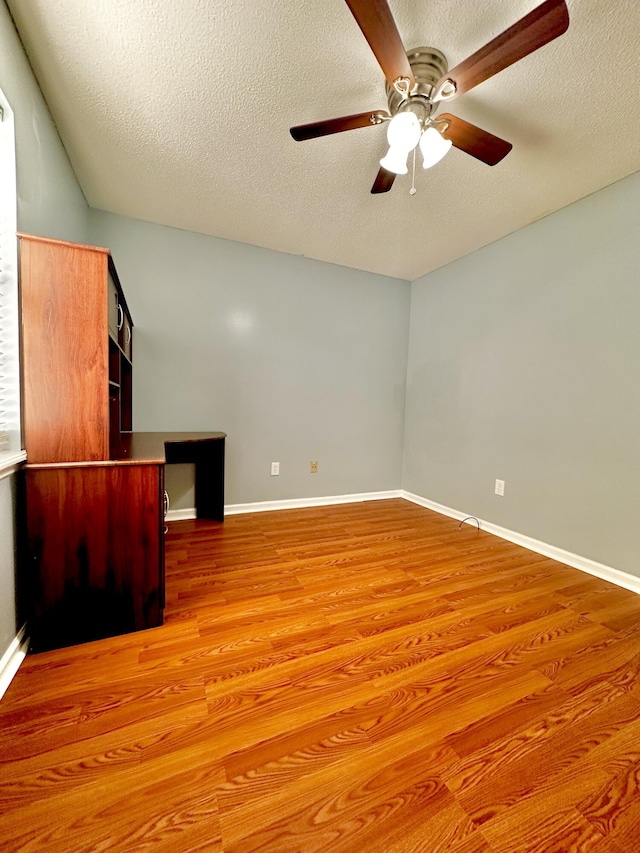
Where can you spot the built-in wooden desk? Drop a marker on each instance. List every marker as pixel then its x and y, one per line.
pixel 91 544
pixel 205 449
pixel 94 547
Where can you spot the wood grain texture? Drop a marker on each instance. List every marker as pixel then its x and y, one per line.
pixel 473 140
pixel 93 564
pixel 379 28
pixel 544 24
pixel 383 182
pixel 65 350
pixel 315 129
pixel 354 678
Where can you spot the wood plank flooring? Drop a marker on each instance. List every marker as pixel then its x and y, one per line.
pixel 357 678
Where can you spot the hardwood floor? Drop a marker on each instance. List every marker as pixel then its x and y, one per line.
pixel 357 678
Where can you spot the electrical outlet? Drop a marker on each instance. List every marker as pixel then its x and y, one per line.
pixel 500 487
pixel 314 467
pixel 275 469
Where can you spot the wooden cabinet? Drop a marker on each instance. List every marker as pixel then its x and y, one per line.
pixel 93 543
pixel 95 551
pixel 77 396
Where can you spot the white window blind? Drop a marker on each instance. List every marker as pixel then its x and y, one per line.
pixel 10 438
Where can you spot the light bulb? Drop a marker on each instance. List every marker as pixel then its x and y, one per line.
pixel 433 146
pixel 403 134
pixel 404 131
pixel 395 160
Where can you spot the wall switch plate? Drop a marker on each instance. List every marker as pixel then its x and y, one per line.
pixel 314 467
pixel 275 469
pixel 500 487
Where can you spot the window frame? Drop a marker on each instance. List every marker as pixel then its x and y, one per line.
pixel 11 449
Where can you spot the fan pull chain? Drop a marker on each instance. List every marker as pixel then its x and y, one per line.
pixel 413 191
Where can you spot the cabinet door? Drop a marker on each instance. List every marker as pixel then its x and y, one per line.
pixel 114 308
pixel 65 352
pixel 128 338
pixel 126 334
pixel 126 396
pixel 95 554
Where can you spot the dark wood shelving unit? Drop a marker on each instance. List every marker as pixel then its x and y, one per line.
pixel 93 543
pixel 93 498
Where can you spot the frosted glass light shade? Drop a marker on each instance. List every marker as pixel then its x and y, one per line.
pixel 433 146
pixel 403 134
pixel 395 160
pixel 404 131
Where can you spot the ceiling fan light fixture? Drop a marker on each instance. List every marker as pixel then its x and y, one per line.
pixel 404 131
pixel 403 134
pixel 418 79
pixel 433 146
pixel 395 160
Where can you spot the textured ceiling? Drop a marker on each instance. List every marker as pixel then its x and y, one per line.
pixel 179 113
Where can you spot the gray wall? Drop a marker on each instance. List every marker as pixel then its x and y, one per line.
pixel 295 359
pixel 524 364
pixel 8 622
pixel 49 203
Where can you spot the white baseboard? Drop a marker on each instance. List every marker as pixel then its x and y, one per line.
pixel 599 570
pixel 296 503
pixel 181 514
pixel 303 503
pixel 12 658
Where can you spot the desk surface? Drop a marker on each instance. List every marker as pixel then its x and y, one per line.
pixel 141 447
pixel 145 448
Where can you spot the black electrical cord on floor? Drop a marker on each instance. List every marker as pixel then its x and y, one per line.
pixel 468 518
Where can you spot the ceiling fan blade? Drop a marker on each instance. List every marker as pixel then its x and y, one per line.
pixel 383 182
pixel 378 27
pixel 536 29
pixel 473 140
pixel 337 125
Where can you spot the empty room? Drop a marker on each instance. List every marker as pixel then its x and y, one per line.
pixel 319 457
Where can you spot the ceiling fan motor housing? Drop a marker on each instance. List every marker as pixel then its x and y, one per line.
pixel 428 66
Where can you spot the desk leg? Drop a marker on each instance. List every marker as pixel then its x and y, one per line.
pixel 210 481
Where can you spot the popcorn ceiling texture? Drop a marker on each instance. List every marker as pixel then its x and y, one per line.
pixel 179 113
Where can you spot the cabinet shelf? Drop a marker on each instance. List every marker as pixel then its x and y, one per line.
pixel 113 343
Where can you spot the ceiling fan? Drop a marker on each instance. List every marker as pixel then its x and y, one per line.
pixel 418 82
